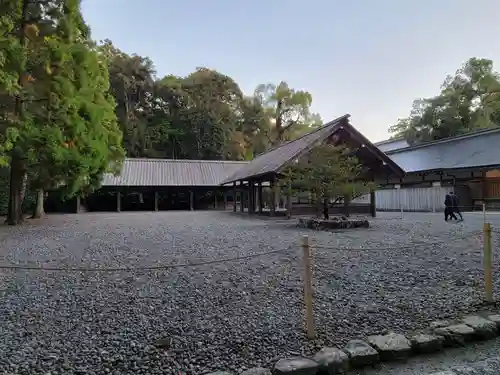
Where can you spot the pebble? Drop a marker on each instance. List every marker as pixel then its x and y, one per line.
pixel 231 316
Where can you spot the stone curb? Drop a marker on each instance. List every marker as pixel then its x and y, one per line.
pixel 388 347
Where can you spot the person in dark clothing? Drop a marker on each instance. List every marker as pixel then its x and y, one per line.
pixel 448 207
pixel 456 205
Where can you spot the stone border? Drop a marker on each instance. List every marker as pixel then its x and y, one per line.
pixel 332 224
pixel 388 347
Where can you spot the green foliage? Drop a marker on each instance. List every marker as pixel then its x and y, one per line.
pixel 469 100
pixel 58 121
pixel 328 172
pixel 201 116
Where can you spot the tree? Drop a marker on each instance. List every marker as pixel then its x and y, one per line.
pixel 469 100
pixel 328 172
pixel 287 109
pixel 131 81
pixel 66 130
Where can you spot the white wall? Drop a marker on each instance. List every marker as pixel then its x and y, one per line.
pixel 411 199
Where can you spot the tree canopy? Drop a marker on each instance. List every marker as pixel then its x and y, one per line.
pixel 469 100
pixel 204 115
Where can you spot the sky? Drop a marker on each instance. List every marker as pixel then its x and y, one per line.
pixel 368 58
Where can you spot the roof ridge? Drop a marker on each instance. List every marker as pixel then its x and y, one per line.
pixel 445 140
pixel 389 141
pixel 314 130
pixel 158 160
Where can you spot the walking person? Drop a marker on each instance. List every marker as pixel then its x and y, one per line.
pixel 456 205
pixel 448 207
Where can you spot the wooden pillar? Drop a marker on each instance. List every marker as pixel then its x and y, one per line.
pixel 272 204
pixel 373 204
pixel 261 200
pixel 77 205
pixel 215 199
pixel 484 187
pixel 118 201
pixel 156 201
pixel 224 193
pixel 253 200
pixel 242 197
pixel 191 200
pixel 235 196
pixel 289 199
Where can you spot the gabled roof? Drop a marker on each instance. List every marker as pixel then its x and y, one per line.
pixel 275 159
pixel 171 172
pixel 473 150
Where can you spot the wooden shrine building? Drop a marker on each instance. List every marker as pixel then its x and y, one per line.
pixel 164 184
pixel 267 168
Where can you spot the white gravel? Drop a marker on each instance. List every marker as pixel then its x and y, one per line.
pixel 228 316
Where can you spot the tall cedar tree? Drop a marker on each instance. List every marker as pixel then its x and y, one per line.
pixel 69 136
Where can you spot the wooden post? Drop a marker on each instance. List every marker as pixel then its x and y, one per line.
pixel 289 199
pixel 156 201
pixel 272 204
pixel 224 192
pixel 191 200
pixel 118 201
pixel 235 196
pixel 261 199
pixel 251 198
pixel 484 213
pixel 242 197
pixel 215 199
pixel 373 204
pixel 308 302
pixel 488 274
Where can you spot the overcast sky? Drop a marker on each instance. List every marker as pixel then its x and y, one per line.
pixel 363 57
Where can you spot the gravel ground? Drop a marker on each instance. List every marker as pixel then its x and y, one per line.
pixel 231 315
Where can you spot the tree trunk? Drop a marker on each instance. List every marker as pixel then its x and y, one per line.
pixel 17 168
pixel 17 177
pixel 39 211
pixel 346 206
pixel 326 215
pixel 24 185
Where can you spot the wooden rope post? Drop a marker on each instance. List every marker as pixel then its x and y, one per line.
pixel 308 301
pixel 488 274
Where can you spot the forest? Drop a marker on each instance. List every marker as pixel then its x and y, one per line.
pixel 469 100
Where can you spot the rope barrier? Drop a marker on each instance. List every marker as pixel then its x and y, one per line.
pixel 149 268
pixel 404 246
pixel 215 261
